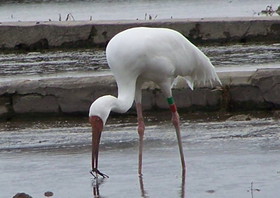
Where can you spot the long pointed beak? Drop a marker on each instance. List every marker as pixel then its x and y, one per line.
pixel 97 127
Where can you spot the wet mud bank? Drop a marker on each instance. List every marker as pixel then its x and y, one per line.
pixel 250 90
pixel 71 34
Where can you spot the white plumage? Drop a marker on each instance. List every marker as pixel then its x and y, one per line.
pixel 144 54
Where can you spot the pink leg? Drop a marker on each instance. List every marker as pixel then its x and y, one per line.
pixel 176 123
pixel 141 129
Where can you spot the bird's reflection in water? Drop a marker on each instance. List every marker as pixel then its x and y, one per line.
pixel 182 194
pixel 96 183
pixel 144 194
pixel 183 184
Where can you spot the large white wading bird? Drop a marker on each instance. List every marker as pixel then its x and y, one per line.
pixel 143 54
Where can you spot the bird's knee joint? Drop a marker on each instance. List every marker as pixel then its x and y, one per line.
pixel 141 126
pixel 141 130
pixel 175 122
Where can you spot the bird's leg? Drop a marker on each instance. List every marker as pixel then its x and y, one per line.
pixel 97 127
pixel 141 129
pixel 95 187
pixel 176 123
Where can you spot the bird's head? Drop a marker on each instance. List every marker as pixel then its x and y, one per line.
pixel 96 124
pixel 98 114
pixel 101 108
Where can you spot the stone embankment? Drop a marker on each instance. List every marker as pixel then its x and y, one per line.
pixel 38 35
pixel 255 90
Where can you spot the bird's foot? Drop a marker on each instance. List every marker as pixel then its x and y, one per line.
pixel 97 172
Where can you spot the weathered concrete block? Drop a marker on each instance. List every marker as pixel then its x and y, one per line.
pixel 75 94
pixel 148 99
pixel 204 98
pixel 34 103
pixel 32 35
pixel 273 95
pixel 3 110
pixel 4 105
pixel 200 98
pixel 268 81
pixel 160 100
pixel 75 100
pixel 246 97
pixel 183 97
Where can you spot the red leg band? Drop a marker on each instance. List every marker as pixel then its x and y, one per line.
pixel 173 108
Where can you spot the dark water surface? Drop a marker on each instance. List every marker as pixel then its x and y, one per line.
pixel 225 157
pixel 89 61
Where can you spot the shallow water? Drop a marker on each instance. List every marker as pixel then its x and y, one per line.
pixel 223 158
pixel 89 61
pixel 44 10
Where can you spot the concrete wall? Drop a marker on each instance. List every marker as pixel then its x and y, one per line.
pixel 37 35
pixel 240 91
pixel 256 90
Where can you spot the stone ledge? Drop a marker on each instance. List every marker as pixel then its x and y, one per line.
pixel 40 35
pixel 260 91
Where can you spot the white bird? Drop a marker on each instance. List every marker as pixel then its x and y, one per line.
pixel 143 54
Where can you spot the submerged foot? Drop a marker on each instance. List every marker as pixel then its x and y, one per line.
pixel 97 172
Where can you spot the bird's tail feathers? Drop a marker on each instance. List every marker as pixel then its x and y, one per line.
pixel 189 81
pixel 204 75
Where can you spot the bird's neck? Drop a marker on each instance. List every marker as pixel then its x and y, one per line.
pixel 126 94
pixel 105 104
